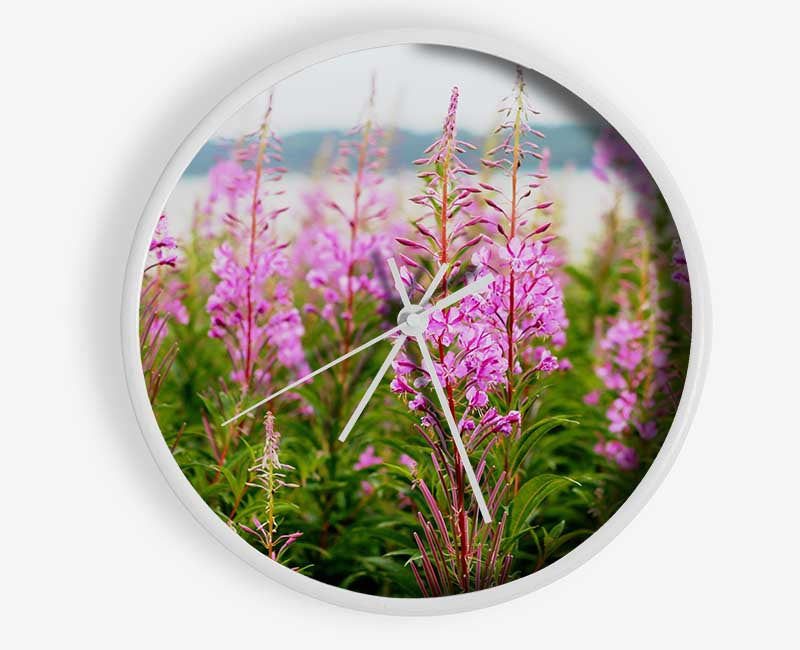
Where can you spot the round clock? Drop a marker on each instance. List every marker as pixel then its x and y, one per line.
pixel 412 327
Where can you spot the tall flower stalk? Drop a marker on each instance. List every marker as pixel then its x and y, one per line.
pixel 456 546
pixel 341 250
pixel 632 346
pixel 270 479
pixel 632 363
pixel 251 308
pixel 358 164
pixel 522 314
pixel 160 301
pixel 528 298
pixel 446 199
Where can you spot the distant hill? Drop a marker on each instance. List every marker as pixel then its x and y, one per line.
pixel 568 144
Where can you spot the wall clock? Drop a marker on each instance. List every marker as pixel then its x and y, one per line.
pixel 414 323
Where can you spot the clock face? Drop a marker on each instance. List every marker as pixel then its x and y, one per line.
pixel 414 322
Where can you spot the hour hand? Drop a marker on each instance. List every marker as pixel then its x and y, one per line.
pixel 314 373
pixel 372 387
pixel 401 290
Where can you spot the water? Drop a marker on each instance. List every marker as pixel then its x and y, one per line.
pixel 580 202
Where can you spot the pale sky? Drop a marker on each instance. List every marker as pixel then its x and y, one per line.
pixel 413 90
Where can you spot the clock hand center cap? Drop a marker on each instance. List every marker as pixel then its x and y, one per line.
pixel 412 320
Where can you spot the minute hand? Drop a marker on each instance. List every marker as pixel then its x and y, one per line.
pixel 451 423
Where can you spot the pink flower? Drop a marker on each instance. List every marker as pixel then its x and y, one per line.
pixel 517 255
pixel 537 300
pixel 250 325
pixel 163 246
pixel 630 368
pixel 399 385
pixel 417 402
pixel 231 181
pixel 592 398
pixel 619 413
pixel 317 278
pixel 625 457
pixel 368 458
pixel 471 340
pixel 547 361
pixel 164 253
pixel 476 398
pixel 173 302
pixel 611 378
pixel 648 430
pixel 444 325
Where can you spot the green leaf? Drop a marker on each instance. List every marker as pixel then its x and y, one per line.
pixel 553 545
pixel 553 534
pixel 584 279
pixel 532 435
pixel 531 495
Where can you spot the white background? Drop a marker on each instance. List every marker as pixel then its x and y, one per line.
pixel 96 550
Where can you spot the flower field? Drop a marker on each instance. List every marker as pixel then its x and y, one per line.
pixel 563 377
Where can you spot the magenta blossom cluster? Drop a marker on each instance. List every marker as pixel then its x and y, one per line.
pixel 526 298
pixel 530 307
pixel 474 333
pixel 251 306
pixel 471 367
pixel 339 272
pixel 632 371
pixel 164 254
pixel 614 450
pixel 231 183
pixel 511 323
pixel 273 329
pixel 458 552
pixel 367 458
pixel 343 252
pixel 163 246
pixel 469 361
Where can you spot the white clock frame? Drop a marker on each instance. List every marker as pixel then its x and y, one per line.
pixel 528 57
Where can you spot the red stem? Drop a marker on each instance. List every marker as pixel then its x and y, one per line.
pixel 262 145
pixel 357 189
pixel 463 543
pixel 513 232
